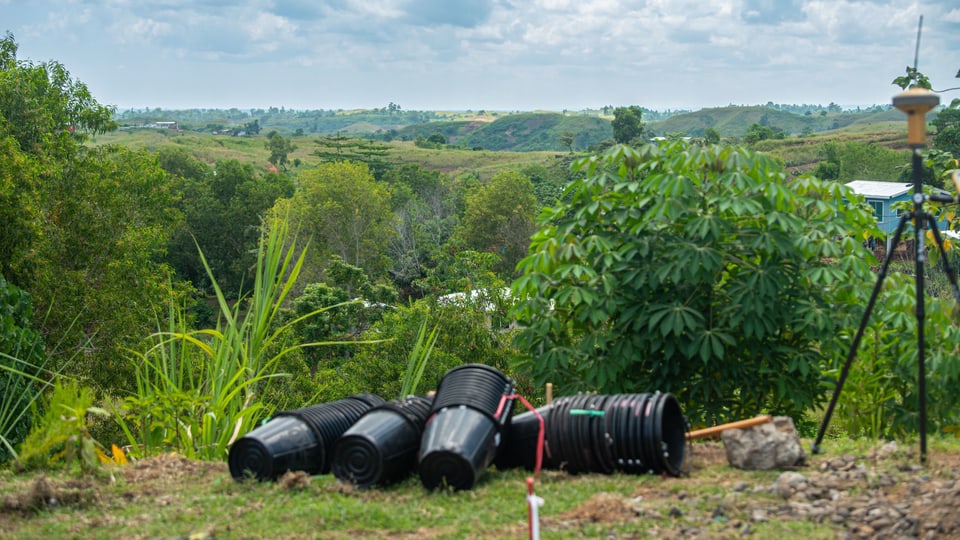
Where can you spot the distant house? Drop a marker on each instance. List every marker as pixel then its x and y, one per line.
pixel 881 196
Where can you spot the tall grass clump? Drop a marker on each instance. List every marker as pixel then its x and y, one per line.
pixel 23 372
pixel 198 390
pixel 418 359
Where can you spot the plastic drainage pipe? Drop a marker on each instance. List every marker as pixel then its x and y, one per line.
pixel 473 404
pixel 283 444
pixel 631 433
pixel 521 440
pixel 297 440
pixel 381 447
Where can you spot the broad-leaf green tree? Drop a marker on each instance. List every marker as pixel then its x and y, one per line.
pixel 345 212
pixel 351 303
pixel 760 132
pixel 500 217
pixel 89 226
pixel 279 148
pixel 426 209
pixel 947 138
pixel 222 207
pixel 99 266
pixel 628 124
pixel 41 104
pixel 695 270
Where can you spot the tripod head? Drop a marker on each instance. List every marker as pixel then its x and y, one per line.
pixel 916 102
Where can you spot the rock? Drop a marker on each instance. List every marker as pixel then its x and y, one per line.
pixel 774 445
pixel 789 483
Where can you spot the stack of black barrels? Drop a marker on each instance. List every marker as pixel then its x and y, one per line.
pixel 451 438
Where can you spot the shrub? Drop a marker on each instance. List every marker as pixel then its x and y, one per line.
pixel 465 333
pixel 695 270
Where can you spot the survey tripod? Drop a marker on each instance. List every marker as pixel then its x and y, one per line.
pixel 915 103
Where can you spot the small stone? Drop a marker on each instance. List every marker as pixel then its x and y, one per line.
pixel 788 483
pixel 888 449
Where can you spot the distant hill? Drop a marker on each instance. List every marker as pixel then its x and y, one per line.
pixel 514 131
pixel 520 132
pixel 734 121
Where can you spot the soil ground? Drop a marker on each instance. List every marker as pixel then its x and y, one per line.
pixel 880 492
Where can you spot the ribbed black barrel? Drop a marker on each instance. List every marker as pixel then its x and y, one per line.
pixel 519 447
pixel 631 433
pixel 474 402
pixel 283 444
pixel 297 440
pixel 381 447
pixel 477 386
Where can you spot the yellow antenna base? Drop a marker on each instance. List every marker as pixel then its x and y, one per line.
pixel 915 102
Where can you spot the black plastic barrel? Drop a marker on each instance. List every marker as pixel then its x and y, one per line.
pixel 472 405
pixel 280 445
pixel 297 440
pixel 520 441
pixel 631 433
pixel 381 447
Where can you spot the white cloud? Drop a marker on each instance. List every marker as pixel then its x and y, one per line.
pixel 139 31
pixel 489 53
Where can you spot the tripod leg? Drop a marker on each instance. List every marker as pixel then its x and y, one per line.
pixel 947 269
pixel 815 448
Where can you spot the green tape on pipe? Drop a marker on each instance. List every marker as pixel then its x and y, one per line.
pixel 585 412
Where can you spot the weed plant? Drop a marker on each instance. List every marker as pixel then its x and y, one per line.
pixel 199 390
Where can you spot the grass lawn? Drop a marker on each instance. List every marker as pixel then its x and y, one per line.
pixel 169 496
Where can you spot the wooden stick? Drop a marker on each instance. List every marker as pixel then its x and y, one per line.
pixel 549 393
pixel 740 424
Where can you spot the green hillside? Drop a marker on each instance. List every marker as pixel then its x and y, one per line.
pixel 522 132
pixel 210 148
pixel 483 142
pixel 734 121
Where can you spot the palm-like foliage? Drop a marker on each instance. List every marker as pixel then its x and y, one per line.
pixel 197 390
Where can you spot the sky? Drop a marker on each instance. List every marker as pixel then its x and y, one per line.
pixel 500 55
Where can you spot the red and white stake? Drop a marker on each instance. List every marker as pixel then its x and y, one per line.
pixel 533 515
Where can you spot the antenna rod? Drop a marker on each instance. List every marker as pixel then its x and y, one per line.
pixel 916 53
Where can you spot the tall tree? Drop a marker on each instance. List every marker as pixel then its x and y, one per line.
pixel 93 222
pixel 222 207
pixel 280 148
pixel 947 138
pixel 500 217
pixel 423 201
pixel 627 124
pixel 342 148
pixel 345 212
pixel 41 104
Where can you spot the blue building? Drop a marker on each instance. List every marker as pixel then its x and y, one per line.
pixel 882 195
